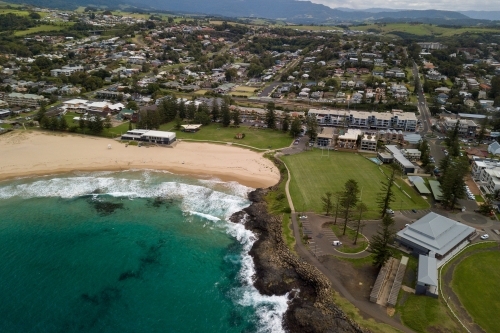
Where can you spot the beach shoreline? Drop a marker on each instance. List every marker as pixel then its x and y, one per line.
pixel 32 154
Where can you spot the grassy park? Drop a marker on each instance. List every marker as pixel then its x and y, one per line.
pixel 476 282
pixel 259 138
pixel 314 173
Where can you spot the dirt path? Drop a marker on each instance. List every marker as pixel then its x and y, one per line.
pixel 453 299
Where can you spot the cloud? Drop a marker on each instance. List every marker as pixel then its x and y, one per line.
pixel 452 5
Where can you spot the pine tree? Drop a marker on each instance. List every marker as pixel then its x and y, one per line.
pixel 129 125
pixel 236 117
pixel 361 208
pixel 182 109
pixel 286 123
pixel 380 242
pixel 271 116
pixel 215 110
pixel 178 122
pixel 63 124
pixel 386 195
pixel 191 110
pixel 326 201
pixel 312 128
pixel 107 123
pixel 295 129
pixel 41 113
pixel 349 200
pixel 226 115
pixel 453 184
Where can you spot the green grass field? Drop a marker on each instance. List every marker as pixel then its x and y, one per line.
pixel 476 280
pixel 421 29
pixel 313 175
pixel 41 28
pixel 425 314
pixel 258 138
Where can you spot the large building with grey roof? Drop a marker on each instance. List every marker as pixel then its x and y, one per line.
pixel 434 235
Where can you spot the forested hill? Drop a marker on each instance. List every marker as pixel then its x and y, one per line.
pixel 10 21
pixel 289 10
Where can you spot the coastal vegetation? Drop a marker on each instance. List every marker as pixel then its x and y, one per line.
pixel 314 174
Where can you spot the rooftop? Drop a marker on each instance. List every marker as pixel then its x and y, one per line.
pixel 436 233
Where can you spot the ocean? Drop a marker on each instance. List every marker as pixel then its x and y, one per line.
pixel 132 251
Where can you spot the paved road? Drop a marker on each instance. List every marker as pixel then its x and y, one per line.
pixel 422 104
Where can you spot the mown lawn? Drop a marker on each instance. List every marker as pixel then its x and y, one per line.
pixel 258 138
pixel 42 28
pixel 313 175
pixel 425 314
pixel 476 280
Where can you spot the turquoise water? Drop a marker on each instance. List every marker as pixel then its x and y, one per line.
pixel 128 252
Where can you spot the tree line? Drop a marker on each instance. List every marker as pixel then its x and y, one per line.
pixel 347 205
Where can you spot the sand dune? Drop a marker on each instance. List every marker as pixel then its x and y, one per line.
pixel 29 153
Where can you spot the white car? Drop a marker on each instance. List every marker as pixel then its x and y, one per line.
pixel 485 236
pixel 390 211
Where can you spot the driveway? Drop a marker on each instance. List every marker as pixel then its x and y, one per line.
pixel 269 89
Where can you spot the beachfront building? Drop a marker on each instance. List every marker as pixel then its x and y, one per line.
pixel 29 100
pixel 396 120
pixel 159 137
pixel 369 142
pixel 348 139
pixel 325 137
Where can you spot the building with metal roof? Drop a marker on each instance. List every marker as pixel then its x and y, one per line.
pixel 405 165
pixel 160 137
pixel 427 277
pixel 434 235
pixel 436 189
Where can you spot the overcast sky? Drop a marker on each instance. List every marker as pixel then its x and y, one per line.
pixel 453 5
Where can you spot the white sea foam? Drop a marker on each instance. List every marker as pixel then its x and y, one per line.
pixel 210 199
pixel 205 216
pixel 269 309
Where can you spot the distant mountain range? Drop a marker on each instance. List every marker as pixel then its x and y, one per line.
pixel 288 10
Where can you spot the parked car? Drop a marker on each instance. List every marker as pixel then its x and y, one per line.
pixel 485 236
pixel 336 243
pixel 414 210
pixel 390 211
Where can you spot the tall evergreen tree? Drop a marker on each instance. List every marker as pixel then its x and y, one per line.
pixel 312 128
pixel 41 113
pixel 296 127
pixel 361 208
pixel 215 110
pixel 452 141
pixel 326 201
pixel 63 124
pixel 182 109
pixel 236 117
pixel 286 123
pixel 349 200
pixel 191 110
pixel 453 184
pixel 226 115
pixel 386 195
pixel 482 131
pixel 380 242
pixel 271 115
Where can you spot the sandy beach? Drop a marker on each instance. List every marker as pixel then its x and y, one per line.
pixel 29 153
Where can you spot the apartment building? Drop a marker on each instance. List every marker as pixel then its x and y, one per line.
pixel 466 127
pixel 399 120
pixel 369 142
pixel 66 70
pixel 29 100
